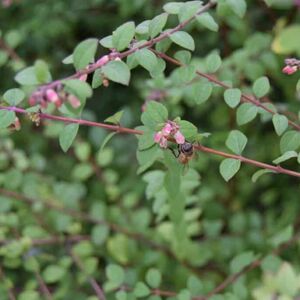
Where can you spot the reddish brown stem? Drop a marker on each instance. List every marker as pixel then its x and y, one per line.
pixel 277 169
pixel 211 78
pixel 43 286
pixel 113 55
pixel 95 285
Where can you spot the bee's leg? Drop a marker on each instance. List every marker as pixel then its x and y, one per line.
pixel 172 150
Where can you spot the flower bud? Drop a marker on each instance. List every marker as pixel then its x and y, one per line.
pixel 74 101
pixel 289 69
pixel 102 61
pixel 179 137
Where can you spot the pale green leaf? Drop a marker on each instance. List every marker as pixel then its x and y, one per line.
pixel 84 53
pixel 183 39
pixel 117 71
pixel 246 113
pixel 280 123
pixel 123 35
pixel 232 97
pixel 229 167
pixel 236 141
pixel 67 136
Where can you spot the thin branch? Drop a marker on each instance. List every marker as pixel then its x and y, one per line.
pixel 95 285
pixel 112 226
pixel 277 169
pixel 113 55
pixel 234 277
pixel 53 240
pixel 44 289
pixel 10 51
pixel 10 292
pixel 245 98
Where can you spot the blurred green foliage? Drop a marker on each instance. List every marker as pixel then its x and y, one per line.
pixel 90 204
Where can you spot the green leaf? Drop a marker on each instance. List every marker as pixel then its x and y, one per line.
pixel 68 60
pixel 173 8
pixel 183 39
pixel 285 42
pixel 27 77
pixel 115 274
pixel 246 113
pixel 53 273
pixel 213 62
pixel 287 281
pixel 107 139
pixel 183 56
pixel 146 158
pixel 42 72
pixel 290 141
pixel 117 71
pixel 259 173
pixel 84 53
pixel 232 97
pixel 261 87
pixel 229 167
pixel 146 140
pixel 120 295
pixel 123 35
pixel 298 86
pixel 153 278
pixel 236 141
pixel 271 263
pixel 241 261
pixel 115 118
pixel 280 123
pixel 6 118
pixel 14 96
pixel 285 156
pixel 146 59
pixel 238 6
pixel 208 21
pixel 78 88
pixel 282 236
pixel 157 24
pixel 188 10
pixel 201 92
pixel 155 114
pixel 141 290
pixel 143 28
pixel 184 295
pixel 107 42
pixel 97 79
pixel 67 136
pixel 188 129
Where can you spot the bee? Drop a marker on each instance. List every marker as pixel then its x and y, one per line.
pixel 185 153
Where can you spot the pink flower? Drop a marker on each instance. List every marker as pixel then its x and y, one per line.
pixel 53 97
pixel 158 136
pixel 163 142
pixel 289 69
pixel 179 137
pixel 167 129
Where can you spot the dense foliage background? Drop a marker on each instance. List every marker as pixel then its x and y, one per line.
pixel 69 220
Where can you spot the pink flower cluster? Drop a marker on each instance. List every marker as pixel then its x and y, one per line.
pixel 170 130
pixel 43 97
pixel 292 66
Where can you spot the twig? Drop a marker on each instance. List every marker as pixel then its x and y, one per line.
pixel 113 55
pixel 10 292
pixel 95 285
pixel 213 79
pixel 277 169
pixel 10 51
pixel 43 286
